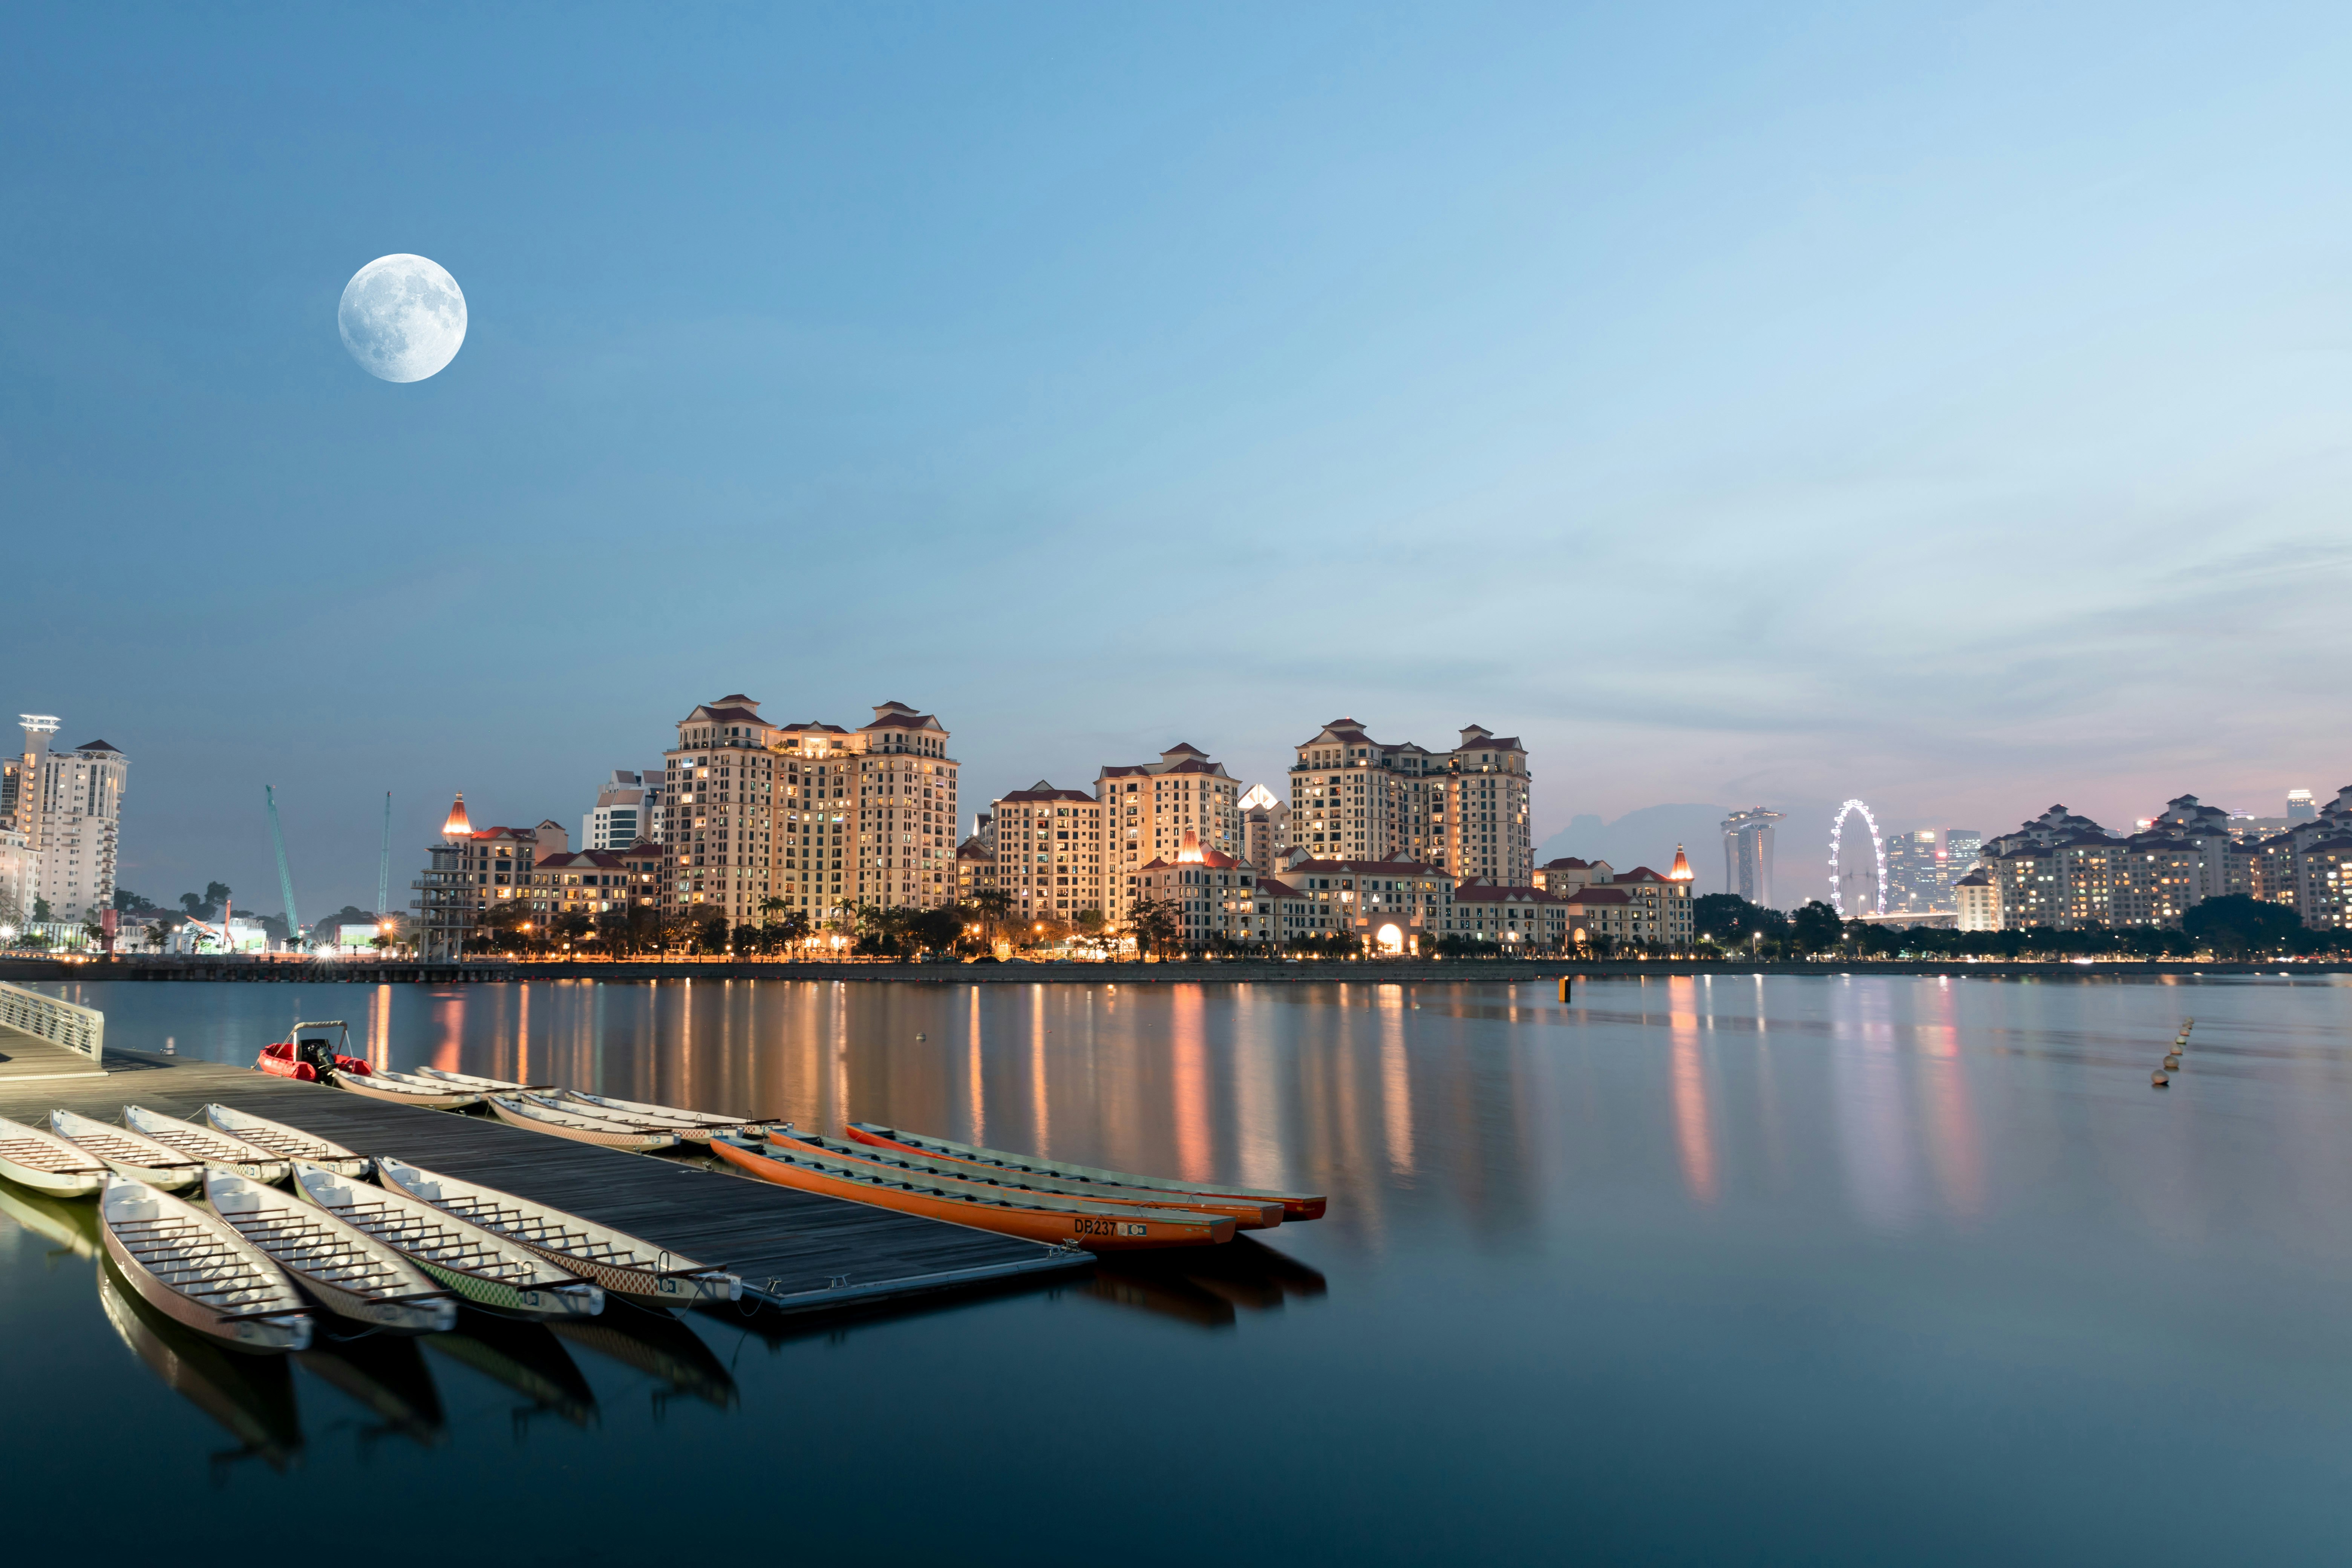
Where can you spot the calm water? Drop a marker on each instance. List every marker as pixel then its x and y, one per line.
pixel 1820 1271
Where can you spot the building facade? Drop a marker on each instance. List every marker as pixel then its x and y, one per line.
pixel 1393 904
pixel 1976 901
pixel 1466 810
pixel 1051 855
pixel 20 880
pixel 469 872
pixel 822 818
pixel 68 807
pixel 1265 827
pixel 1149 806
pixel 620 817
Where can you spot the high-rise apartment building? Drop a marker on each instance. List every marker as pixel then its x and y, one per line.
pixel 1466 810
pixel 619 818
pixel 2300 807
pixel 1149 806
pixel 1051 852
pixel 68 807
pixel 820 817
pixel 1748 855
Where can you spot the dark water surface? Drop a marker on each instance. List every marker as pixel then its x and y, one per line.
pixel 1823 1271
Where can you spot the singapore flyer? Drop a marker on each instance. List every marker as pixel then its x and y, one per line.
pixel 1843 864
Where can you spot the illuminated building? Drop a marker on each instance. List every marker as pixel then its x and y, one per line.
pixel 620 817
pixel 1265 827
pixel 1977 902
pixel 471 870
pixel 1050 852
pixel 820 817
pixel 68 807
pixel 1149 806
pixel 1466 810
pixel 1748 855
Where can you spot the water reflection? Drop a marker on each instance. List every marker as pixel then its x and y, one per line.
pixel 660 1347
pixel 71 1229
pixel 524 1358
pixel 251 1396
pixel 1208 1286
pixel 385 1376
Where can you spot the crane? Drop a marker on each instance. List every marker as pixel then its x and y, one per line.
pixel 383 867
pixel 285 881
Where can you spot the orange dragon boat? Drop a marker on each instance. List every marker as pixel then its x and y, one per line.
pixel 1247 1214
pixel 1098 1227
pixel 1295 1205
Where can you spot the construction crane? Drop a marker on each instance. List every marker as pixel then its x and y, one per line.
pixel 383 867
pixel 285 881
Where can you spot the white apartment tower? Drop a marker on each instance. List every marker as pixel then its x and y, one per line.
pixel 620 817
pixel 68 807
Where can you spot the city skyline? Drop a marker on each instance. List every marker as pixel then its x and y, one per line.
pixel 1777 408
pixel 1801 873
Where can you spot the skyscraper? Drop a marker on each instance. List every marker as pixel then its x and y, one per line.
pixel 1748 854
pixel 2300 807
pixel 1961 848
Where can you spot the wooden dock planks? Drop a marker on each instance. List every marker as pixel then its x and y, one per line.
pixel 29 1057
pixel 795 1250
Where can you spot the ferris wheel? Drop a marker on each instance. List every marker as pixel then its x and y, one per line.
pixel 1851 868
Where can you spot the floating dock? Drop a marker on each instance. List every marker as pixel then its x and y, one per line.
pixel 796 1252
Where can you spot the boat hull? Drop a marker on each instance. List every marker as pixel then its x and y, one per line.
pixel 1295 1205
pixel 1251 1216
pixel 658 1289
pixel 618 1137
pixel 287 1331
pixel 57 1184
pixel 522 1300
pixel 695 1126
pixel 216 1151
pixel 1096 1232
pixel 375 1089
pixel 305 1243
pixel 128 1154
pixel 27 1157
pixel 292 1142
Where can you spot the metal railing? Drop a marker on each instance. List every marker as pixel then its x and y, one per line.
pixel 76 1028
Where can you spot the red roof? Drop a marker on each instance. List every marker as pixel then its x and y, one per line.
pixel 1598 896
pixel 1484 892
pixel 1566 863
pixel 1041 791
pixel 1216 859
pixel 1638 874
pixel 1395 865
pixel 583 860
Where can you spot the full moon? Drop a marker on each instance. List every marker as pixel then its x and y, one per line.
pixel 403 318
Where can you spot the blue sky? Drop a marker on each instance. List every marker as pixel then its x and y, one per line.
pixel 1764 404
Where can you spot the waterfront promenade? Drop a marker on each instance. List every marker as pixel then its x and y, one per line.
pixel 1230 972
